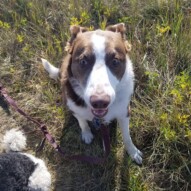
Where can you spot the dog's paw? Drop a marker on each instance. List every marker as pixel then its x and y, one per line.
pixel 87 137
pixel 136 155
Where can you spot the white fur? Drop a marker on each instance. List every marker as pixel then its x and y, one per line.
pixel 77 87
pixel 87 135
pixel 14 140
pixel 118 110
pixel 122 99
pixel 105 82
pixel 135 154
pixel 101 79
pixel 40 178
pixel 53 71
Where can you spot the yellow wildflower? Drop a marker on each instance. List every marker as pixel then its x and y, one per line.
pixel 163 30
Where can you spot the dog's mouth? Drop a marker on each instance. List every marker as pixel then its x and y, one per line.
pixel 99 113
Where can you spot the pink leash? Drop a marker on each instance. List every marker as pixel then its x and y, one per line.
pixel 89 159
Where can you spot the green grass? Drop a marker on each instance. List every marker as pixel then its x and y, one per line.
pixel 160 34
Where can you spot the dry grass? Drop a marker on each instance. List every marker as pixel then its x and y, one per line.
pixel 160 32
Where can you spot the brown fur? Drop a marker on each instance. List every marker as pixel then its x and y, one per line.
pixel 80 50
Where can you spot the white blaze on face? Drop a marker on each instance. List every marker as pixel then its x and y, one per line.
pixel 100 81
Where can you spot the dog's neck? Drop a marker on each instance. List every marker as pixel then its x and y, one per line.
pixel 74 92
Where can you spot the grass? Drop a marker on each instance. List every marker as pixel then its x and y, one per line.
pixel 160 34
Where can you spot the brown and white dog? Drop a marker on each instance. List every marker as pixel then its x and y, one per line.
pixel 97 79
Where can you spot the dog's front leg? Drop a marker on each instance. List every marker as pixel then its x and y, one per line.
pixel 135 154
pixel 87 135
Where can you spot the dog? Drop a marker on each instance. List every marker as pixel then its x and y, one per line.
pixel 97 79
pixel 21 171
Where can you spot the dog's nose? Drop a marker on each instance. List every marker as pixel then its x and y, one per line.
pixel 100 102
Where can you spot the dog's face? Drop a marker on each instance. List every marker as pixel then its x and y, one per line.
pixel 98 62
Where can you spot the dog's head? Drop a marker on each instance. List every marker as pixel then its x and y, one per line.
pixel 97 64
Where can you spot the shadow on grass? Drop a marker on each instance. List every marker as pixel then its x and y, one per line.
pixel 4 105
pixel 75 175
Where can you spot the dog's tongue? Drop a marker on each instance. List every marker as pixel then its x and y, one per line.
pixel 99 112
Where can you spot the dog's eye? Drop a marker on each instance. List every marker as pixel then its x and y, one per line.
pixel 115 62
pixel 83 63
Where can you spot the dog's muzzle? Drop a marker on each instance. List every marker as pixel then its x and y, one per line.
pixel 99 105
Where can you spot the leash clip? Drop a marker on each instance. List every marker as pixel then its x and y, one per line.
pixel 97 122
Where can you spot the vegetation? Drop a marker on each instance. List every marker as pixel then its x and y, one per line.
pixel 160 34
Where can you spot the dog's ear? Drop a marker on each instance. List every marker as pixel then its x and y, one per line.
pixel 74 31
pixel 120 28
